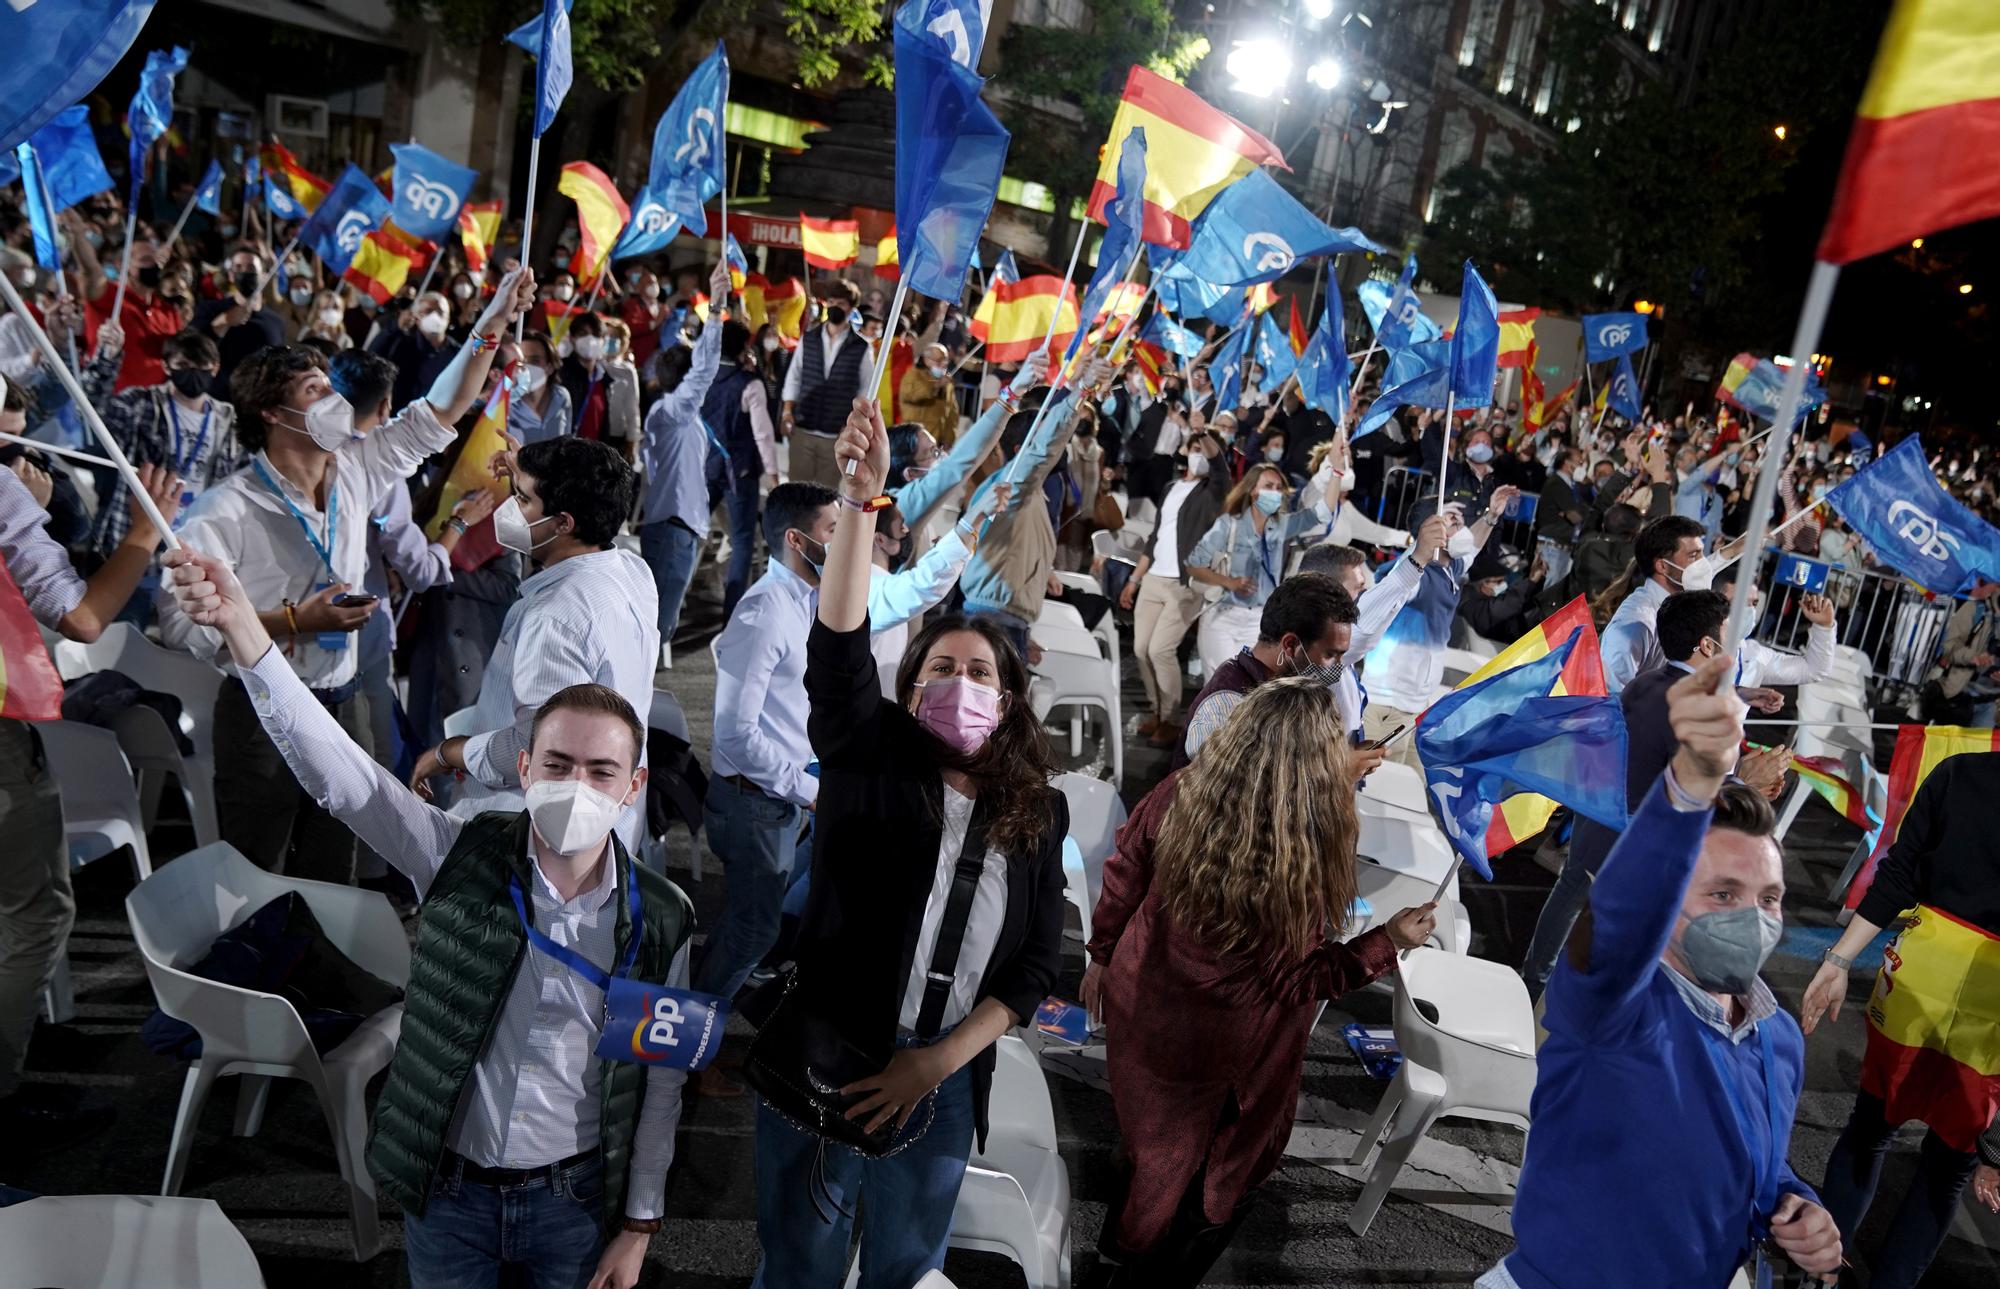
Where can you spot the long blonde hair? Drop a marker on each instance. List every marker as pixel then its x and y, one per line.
pixel 1256 855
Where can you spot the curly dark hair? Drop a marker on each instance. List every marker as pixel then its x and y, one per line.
pixel 584 479
pixel 1015 765
pixel 260 383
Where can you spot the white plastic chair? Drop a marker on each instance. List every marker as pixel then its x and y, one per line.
pixel 1015 1198
pixel 1393 783
pixel 1077 886
pixel 155 756
pixel 124 648
pixel 1077 673
pixel 176 914
pixel 460 723
pixel 100 799
pixel 1096 813
pixel 1460 663
pixel 1474 1060
pixel 1107 629
pixel 125 1242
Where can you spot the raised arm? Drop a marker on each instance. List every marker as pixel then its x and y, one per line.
pixel 458 385
pixel 920 498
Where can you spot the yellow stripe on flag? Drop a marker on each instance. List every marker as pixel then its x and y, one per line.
pixel 1014 317
pixel 470 473
pixel 830 243
pixel 379 267
pixel 601 214
pixel 1934 53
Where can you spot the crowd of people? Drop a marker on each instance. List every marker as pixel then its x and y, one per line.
pixel 444 696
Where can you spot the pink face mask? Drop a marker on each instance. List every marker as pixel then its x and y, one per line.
pixel 962 712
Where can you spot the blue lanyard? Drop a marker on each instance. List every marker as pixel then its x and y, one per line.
pixel 184 464
pixel 1264 552
pixel 323 549
pixel 569 957
pixel 1766 1165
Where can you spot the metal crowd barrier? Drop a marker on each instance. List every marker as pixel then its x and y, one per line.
pixel 1896 623
pixel 1404 486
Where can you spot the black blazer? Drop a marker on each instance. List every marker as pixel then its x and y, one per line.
pixel 875 851
pixel 1649 747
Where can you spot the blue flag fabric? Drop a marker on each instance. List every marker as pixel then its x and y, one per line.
pixel 41 215
pixel 1475 343
pixel 1273 352
pixel 1324 368
pixel 1005 269
pixel 208 193
pixel 1170 335
pixel 689 144
pixel 1255 231
pixel 1762 390
pixel 1507 735
pixel 1187 296
pixel 1622 398
pixel 1123 217
pixel 651 227
pixel 70 164
pixel 253 171
pixel 152 111
pixel 1607 335
pixel 1419 375
pixel 1898 507
pixel 10 168
pixel 552 65
pixel 1396 314
pixel 428 191
pixel 351 209
pixel 950 151
pixel 57 54
pixel 1225 368
pixel 279 201
pixel 732 254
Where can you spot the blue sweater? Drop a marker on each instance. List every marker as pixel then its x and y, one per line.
pixel 1637 1174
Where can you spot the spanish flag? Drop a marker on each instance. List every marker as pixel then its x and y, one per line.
pixel 1193 152
pixel 1120 304
pixel 1921 156
pixel 1259 298
pixel 1919 748
pixel 555 318
pixel 307 188
pixel 1295 331
pixel 1014 317
pixel 1520 817
pixel 830 243
pixel 1934 1028
pixel 785 307
pixel 1827 776
pixel 1735 374
pixel 751 292
pixel 30 689
pixel 1517 336
pixel 381 265
pixel 886 263
pixel 469 473
pixel 1151 359
pixel 601 215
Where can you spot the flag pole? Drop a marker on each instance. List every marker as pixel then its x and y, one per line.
pixel 124 262
pixel 1805 340
pixel 432 268
pixel 528 222
pixel 90 417
pixel 879 351
pixel 1444 454
pixel 173 238
pixel 1449 873
pixel 1361 371
pixel 978 346
pixel 1049 340
pixel 71 453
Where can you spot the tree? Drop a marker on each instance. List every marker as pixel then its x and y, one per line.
pixel 1084 70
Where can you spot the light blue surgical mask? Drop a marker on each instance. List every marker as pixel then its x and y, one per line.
pixel 1270 502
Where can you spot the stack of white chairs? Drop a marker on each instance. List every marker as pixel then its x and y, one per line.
pixel 1405 855
pixel 1074 672
pixel 125 1242
pixel 176 916
pixel 1015 1198
pixel 1466 1031
pixel 1107 630
pixel 1095 815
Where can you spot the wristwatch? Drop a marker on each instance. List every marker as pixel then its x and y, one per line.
pixel 880 502
pixel 643 1226
pixel 1845 964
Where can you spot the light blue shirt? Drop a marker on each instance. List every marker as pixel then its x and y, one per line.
pixel 916 499
pixel 529 426
pixel 1696 499
pixel 760 687
pixel 1630 643
pixel 1232 546
pixel 984 581
pixel 674 446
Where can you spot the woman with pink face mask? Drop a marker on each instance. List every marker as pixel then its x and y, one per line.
pixel 933 927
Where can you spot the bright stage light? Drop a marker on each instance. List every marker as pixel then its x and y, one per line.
pixel 1325 73
pixel 1319 10
pixel 1259 68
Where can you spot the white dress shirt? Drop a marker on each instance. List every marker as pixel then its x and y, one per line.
pixel 760 687
pixel 535 1090
pixel 1378 606
pixel 36 561
pixel 895 599
pixel 982 926
pixel 1631 643
pixel 830 342
pixel 248 526
pixel 1759 665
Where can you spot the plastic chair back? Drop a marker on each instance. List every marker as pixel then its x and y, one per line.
pixel 124 648
pixel 1096 813
pixel 460 724
pixel 1475 1026
pixel 666 716
pixel 125 1242
pixel 100 798
pixel 1020 1110
pixel 1396 784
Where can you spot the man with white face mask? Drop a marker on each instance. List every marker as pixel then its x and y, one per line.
pixel 293 525
pixel 415 344
pixel 495 1096
pixel 1665 550
pixel 589 614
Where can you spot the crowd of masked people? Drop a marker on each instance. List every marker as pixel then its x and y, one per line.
pixel 878 786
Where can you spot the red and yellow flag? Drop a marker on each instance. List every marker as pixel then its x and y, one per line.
pixel 601 215
pixel 1827 776
pixel 1119 307
pixel 1193 152
pixel 886 263
pixel 1295 331
pixel 1934 1028
pixel 830 243
pixel 307 188
pixel 470 472
pixel 1014 317
pixel 555 317
pixel 1520 817
pixel 785 308
pixel 478 229
pixel 381 265
pixel 1517 336
pixel 1921 154
pixel 30 689
pixel 1151 359
pixel 751 291
pixel 1259 298
pixel 1919 748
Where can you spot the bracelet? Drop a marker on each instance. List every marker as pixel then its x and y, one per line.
pixel 456 524
pixel 868 507
pixel 1845 964
pixel 643 1226
pixel 480 343
pixel 1009 399
pixel 1680 798
pixel 291 617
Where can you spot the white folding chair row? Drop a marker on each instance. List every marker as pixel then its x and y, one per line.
pixel 124 648
pixel 176 915
pixel 1075 672
pixel 1107 629
pixel 100 812
pixel 1471 1055
pixel 125 1242
pixel 1105 544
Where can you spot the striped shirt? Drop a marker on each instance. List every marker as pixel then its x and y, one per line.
pixel 534 1093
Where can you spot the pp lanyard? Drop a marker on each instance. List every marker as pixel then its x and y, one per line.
pixel 1264 555
pixel 569 957
pixel 323 549
pixel 1766 1166
pixel 183 464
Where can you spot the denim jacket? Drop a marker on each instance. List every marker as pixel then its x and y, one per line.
pixel 1230 546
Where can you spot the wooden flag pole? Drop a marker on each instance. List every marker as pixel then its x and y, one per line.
pixel 528 223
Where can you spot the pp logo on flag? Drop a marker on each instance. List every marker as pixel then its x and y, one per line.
pixel 353 226
pixel 431 199
pixel 651 218
pixel 700 138
pixel 1268 252
pixel 1613 334
pixel 1920 528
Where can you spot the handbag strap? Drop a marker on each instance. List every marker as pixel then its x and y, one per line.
pixel 951 932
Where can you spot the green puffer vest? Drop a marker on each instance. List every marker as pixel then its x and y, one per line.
pixel 469 945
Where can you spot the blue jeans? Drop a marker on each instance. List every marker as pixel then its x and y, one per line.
pixel 671 550
pixel 1924 1213
pixel 741 499
pixel 1567 900
pixel 753 834
pixel 909 1198
pixel 551 1225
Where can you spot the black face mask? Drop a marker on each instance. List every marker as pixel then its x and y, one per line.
pixel 246 283
pixel 148 277
pixel 836 317
pixel 190 382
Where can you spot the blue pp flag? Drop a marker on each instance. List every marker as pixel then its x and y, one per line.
pixel 253 171
pixel 1324 368
pixel 41 215
pixel 1225 368
pixel 1395 312
pixel 428 191
pixel 351 209
pixel 1255 231
pixel 732 255
pixel 1187 296
pixel 689 143
pixel 1419 375
pixel 70 164
pixel 1124 215
pixel 208 193
pixel 1005 269
pixel 1762 389
pixel 1622 397
pixel 1607 335
pixel 1475 343
pixel 1170 335
pixel 1909 521
pixel 152 110
pixel 552 65
pixel 1507 735
pixel 1273 352
pixel 57 53
pixel 950 150
pixel 279 201
pixel 651 227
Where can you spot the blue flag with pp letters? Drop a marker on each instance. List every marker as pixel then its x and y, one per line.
pixel 650 1024
pixel 1608 335
pixel 1187 296
pixel 1909 521
pixel 950 149
pixel 689 144
pixel 57 53
pixel 1324 368
pixel 1254 231
pixel 1005 269
pixel 427 191
pixel 1475 343
pixel 1225 368
pixel 552 63
pixel 1507 735
pixel 1419 375
pixel 1273 352
pixel 1170 335
pixel 1395 312
pixel 1123 220
pixel 152 111
pixel 1762 390
pixel 351 209
pixel 208 193
pixel 1622 397
pixel 651 227
pixel 72 168
pixel 279 201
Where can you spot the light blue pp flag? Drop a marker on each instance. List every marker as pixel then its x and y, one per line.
pixel 552 65
pixel 427 191
pixel 1622 396
pixel 152 111
pixel 1273 352
pixel 351 209
pixel 950 150
pixel 1607 335
pixel 688 143
pixel 208 193
pixel 1124 217
pixel 1255 231
pixel 1910 523
pixel 57 53
pixel 1475 343
pixel 651 227
pixel 1324 368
